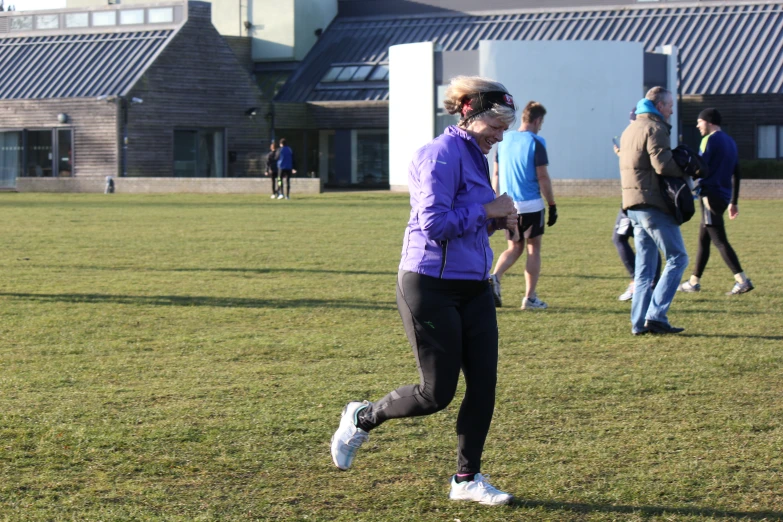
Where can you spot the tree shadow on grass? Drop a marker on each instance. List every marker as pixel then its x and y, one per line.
pixel 179 300
pixel 735 336
pixel 578 507
pixel 265 270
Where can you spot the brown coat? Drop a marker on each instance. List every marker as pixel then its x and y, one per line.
pixel 645 153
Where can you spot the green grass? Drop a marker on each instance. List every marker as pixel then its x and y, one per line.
pixel 186 357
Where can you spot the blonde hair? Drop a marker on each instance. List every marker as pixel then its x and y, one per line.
pixel 461 87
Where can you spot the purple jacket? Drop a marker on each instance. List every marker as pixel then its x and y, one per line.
pixel 447 237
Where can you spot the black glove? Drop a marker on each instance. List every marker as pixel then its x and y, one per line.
pixel 552 215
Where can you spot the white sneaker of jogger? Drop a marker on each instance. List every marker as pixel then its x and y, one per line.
pixel 478 490
pixel 348 438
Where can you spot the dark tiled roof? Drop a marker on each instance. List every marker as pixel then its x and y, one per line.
pixel 74 66
pixel 725 49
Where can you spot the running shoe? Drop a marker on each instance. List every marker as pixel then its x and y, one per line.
pixel 533 303
pixel 348 438
pixel 689 288
pixel 478 490
pixel 627 295
pixel 741 288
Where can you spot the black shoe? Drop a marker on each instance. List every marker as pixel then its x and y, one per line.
pixel 641 332
pixel 659 327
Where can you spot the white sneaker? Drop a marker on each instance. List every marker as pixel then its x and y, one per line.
pixel 478 490
pixel 533 303
pixel 273 196
pixel 348 438
pixel 627 295
pixel 288 197
pixel 495 284
pixel 280 196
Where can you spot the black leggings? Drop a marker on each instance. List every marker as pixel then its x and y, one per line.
pixel 274 183
pixel 712 228
pixel 285 174
pixel 451 325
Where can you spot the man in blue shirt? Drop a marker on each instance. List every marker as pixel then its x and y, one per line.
pixel 285 166
pixel 719 191
pixel 521 172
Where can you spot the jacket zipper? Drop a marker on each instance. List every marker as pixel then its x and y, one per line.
pixel 444 246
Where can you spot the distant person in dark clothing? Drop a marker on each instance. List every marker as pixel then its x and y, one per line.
pixel 271 168
pixel 623 232
pixel 717 192
pixel 285 166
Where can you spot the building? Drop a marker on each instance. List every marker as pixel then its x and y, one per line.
pixel 337 100
pixel 270 38
pixel 129 92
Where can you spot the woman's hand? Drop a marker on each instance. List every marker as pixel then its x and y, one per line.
pixel 500 207
pixel 508 222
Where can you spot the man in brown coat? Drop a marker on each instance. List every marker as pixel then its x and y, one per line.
pixel 645 154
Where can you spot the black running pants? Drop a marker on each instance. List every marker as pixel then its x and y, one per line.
pixel 713 229
pixel 452 326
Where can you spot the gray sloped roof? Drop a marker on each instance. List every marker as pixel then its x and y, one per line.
pixel 76 65
pixel 725 49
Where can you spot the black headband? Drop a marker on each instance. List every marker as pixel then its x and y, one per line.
pixel 480 102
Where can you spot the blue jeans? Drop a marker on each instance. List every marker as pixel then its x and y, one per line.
pixel 654 230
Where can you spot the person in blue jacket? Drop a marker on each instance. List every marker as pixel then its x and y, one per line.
pixel 718 192
pixel 285 167
pixel 443 293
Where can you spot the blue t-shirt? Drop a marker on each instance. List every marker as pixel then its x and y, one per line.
pixel 518 155
pixel 720 153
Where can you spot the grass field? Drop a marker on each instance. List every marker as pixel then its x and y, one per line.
pixel 186 357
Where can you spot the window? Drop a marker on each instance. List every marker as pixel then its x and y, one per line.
pixel 362 73
pixel 199 153
pixel 346 74
pixel 372 158
pixel 77 20
pixel 161 15
pixel 104 18
pixel 380 73
pixel 47 22
pixel 11 149
pixel 768 141
pixel 35 153
pixel 22 23
pixel 270 83
pixel 331 74
pixel 130 17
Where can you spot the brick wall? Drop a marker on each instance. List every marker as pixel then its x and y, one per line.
pixel 166 185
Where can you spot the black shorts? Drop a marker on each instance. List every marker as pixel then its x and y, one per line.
pixel 531 224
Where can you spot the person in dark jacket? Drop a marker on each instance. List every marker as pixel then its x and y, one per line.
pixel 443 293
pixel 718 192
pixel 271 168
pixel 285 167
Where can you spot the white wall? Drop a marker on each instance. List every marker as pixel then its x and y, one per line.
pixel 674 86
pixel 588 89
pixel 281 29
pixel 411 106
pixel 311 15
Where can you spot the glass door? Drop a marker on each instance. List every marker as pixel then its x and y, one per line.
pixel 11 148
pixel 199 153
pixel 40 153
pixel 185 153
pixel 64 153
